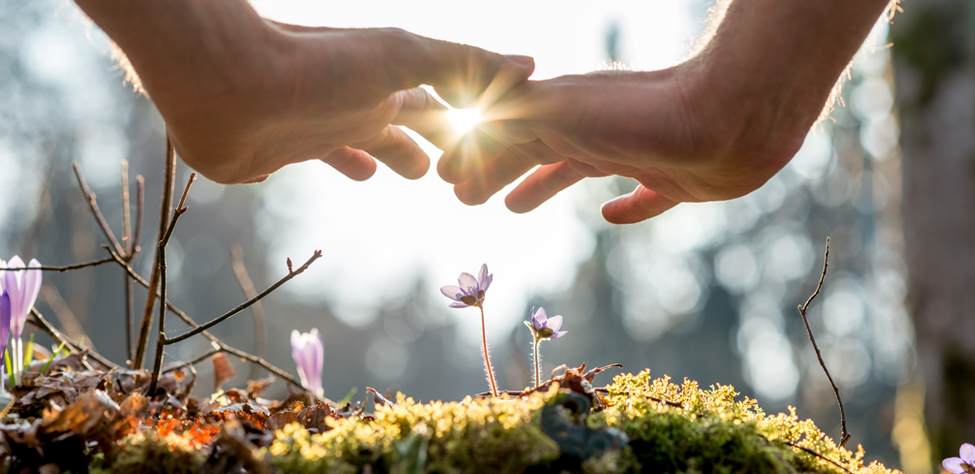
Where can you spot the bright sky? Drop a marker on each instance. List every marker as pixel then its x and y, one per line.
pixel 379 235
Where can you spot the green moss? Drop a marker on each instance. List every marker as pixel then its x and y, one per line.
pixel 672 428
pixel 148 452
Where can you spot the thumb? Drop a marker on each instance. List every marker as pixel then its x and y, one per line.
pixel 637 206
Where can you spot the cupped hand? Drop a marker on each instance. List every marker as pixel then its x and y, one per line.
pixel 243 97
pixel 658 128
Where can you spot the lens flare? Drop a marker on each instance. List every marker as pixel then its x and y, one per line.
pixel 463 119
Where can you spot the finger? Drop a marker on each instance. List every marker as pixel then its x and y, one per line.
pixel 637 206
pixel 424 114
pixel 356 164
pixel 259 179
pixel 410 60
pixel 398 151
pixel 503 170
pixel 546 182
pixel 468 154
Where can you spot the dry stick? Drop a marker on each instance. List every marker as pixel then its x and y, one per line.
pixel 161 251
pixel 93 206
pixel 193 324
pixel 142 343
pixel 66 268
pixel 128 299
pixel 845 435
pixel 130 253
pixel 820 456
pixel 291 274
pixel 41 323
pixel 247 285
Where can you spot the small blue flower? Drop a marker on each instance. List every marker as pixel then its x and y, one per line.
pixel 544 327
pixel 469 290
pixel 964 464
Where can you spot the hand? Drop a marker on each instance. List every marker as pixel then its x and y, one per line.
pixel 243 97
pixel 715 127
pixel 656 127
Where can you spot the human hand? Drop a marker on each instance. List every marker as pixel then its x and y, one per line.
pixel 656 127
pixel 243 97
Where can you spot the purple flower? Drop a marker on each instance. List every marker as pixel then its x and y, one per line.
pixel 544 327
pixel 964 464
pixel 469 291
pixel 4 325
pixel 22 287
pixel 309 355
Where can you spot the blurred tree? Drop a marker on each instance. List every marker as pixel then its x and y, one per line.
pixel 934 58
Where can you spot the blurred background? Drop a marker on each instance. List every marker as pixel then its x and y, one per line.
pixel 705 291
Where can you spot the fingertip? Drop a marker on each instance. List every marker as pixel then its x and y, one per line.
pixel 516 205
pixel 638 206
pixel 357 165
pixel 469 194
pixel 526 64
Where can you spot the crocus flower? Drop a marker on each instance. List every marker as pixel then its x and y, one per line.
pixel 309 355
pixel 22 286
pixel 4 325
pixel 964 464
pixel 544 327
pixel 469 290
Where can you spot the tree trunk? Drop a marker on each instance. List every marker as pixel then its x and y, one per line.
pixel 934 66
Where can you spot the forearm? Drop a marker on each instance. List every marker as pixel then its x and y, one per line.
pixel 181 40
pixel 778 60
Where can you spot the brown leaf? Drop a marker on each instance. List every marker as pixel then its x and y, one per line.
pixel 223 370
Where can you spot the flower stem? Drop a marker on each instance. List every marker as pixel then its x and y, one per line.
pixel 537 362
pixel 487 357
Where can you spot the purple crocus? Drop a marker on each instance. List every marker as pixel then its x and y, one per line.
pixel 309 356
pixel 964 464
pixel 22 288
pixel 544 327
pixel 4 325
pixel 469 290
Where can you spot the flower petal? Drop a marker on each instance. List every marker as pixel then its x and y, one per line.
pixel 487 283
pixel 467 283
pixel 4 320
pixel 482 276
pixel 452 291
pixel 953 465
pixel 539 317
pixel 967 453
pixel 558 334
pixel 458 305
pixel 554 323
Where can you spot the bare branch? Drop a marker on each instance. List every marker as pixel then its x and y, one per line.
pixel 126 209
pixel 93 206
pixel 845 435
pixel 41 323
pixel 820 456
pixel 245 305
pixel 140 206
pixel 66 268
pixel 142 343
pixel 247 285
pixel 193 324
pixel 163 281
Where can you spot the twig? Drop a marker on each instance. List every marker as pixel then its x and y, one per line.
pixel 66 268
pixel 93 206
pixel 291 274
pixel 845 435
pixel 198 360
pixel 130 251
pixel 142 343
pixel 41 323
pixel 161 252
pixel 820 456
pixel 193 324
pixel 247 285
pixel 140 201
pixel 126 209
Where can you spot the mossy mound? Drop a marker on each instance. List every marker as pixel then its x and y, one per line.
pixel 671 428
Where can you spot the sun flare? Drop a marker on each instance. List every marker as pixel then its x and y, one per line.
pixel 463 119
